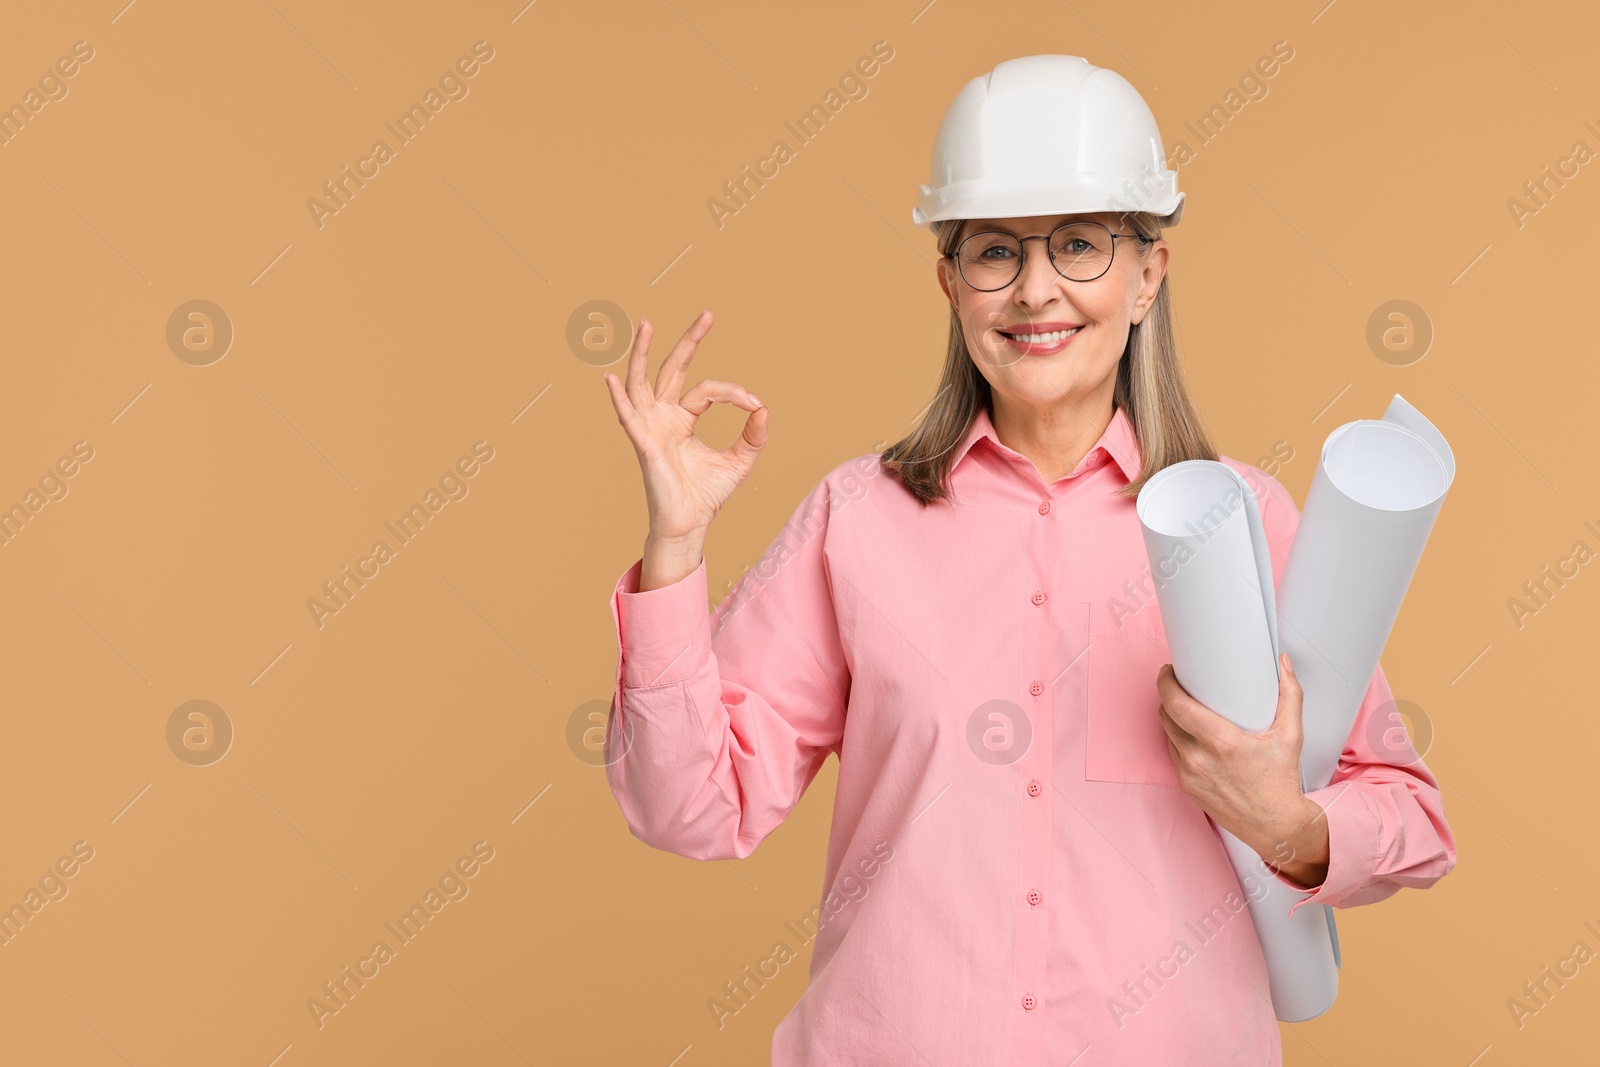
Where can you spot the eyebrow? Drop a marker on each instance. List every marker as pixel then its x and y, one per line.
pixel 987 225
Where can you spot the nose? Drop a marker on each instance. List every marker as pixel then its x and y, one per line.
pixel 1040 282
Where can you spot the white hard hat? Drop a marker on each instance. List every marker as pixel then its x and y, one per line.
pixel 1048 135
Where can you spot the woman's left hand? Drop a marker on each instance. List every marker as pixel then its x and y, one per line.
pixel 1249 783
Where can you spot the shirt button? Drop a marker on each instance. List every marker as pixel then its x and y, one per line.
pixel 1034 788
pixel 1034 897
pixel 1028 1002
pixel 1035 688
pixel 1044 507
pixel 1038 598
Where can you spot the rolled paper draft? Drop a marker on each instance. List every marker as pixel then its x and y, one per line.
pixel 1213 576
pixel 1372 503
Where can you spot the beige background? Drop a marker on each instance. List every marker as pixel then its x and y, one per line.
pixel 431 311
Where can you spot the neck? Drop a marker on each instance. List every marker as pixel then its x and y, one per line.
pixel 1055 438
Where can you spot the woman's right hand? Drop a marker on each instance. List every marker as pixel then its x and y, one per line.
pixel 686 481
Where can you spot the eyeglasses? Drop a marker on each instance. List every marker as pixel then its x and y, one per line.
pixel 1079 251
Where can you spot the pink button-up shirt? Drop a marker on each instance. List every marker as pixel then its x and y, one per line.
pixel 1014 875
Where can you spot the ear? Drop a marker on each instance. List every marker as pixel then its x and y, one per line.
pixel 944 267
pixel 1153 268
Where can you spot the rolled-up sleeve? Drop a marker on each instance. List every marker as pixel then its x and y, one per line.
pixel 1386 822
pixel 720 720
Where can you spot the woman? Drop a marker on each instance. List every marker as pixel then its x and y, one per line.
pixel 1021 869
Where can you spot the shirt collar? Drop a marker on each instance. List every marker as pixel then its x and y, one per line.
pixel 1118 441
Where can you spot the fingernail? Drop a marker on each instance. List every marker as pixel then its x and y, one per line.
pixel 755 401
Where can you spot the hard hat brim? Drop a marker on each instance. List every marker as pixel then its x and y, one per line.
pixel 1090 198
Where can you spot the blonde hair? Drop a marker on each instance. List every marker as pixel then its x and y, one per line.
pixel 1150 388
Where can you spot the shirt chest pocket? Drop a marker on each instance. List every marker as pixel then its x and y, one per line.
pixel 1125 741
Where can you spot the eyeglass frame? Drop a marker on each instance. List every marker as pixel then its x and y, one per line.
pixel 1022 259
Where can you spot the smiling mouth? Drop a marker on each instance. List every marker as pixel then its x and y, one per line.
pixel 1046 338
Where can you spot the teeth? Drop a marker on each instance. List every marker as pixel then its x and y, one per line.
pixel 1044 338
